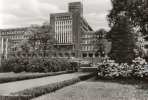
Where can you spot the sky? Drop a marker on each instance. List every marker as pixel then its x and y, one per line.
pixel 23 13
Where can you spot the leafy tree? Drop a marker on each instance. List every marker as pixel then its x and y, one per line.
pixel 40 42
pixel 123 41
pixel 135 10
pixel 99 41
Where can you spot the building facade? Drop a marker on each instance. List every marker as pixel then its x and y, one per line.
pixel 74 36
pixel 69 29
pixel 4 47
pixel 14 38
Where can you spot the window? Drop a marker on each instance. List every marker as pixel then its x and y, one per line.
pixel 146 46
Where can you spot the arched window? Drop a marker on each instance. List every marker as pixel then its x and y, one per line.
pixel 90 55
pixel 84 55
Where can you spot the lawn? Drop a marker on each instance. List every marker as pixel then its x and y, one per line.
pixel 100 90
pixel 12 74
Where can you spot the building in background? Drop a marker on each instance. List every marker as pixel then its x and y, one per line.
pixel 68 29
pixel 74 36
pixel 14 38
pixel 4 48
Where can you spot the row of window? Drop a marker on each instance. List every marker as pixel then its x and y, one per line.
pixel 12 32
pixel 87 48
pixel 63 22
pixel 63 17
pixel 64 32
pixel 65 27
pixel 87 36
pixel 17 37
pixel 41 54
pixel 88 41
pixel 64 38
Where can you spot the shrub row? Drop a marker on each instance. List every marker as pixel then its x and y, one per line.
pixel 12 97
pixel 38 91
pixel 37 65
pixel 120 71
pixel 18 78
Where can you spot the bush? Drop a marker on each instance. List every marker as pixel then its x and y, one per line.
pixel 37 65
pixel 111 71
pixel 74 66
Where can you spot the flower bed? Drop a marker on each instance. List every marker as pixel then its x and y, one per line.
pixel 136 70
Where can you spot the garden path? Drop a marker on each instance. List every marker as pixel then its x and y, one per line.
pixel 11 87
pixel 100 90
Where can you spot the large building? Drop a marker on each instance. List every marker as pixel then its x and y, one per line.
pixel 74 36
pixel 69 30
pixel 4 45
pixel 14 38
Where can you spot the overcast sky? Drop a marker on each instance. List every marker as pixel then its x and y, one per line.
pixel 20 13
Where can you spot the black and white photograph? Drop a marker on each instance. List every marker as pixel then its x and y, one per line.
pixel 73 49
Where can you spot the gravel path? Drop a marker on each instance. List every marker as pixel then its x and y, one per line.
pixel 7 88
pixel 99 90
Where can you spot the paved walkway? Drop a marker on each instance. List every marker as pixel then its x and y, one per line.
pixel 7 88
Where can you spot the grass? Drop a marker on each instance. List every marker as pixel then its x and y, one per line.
pixel 10 77
pixel 38 91
pixel 100 90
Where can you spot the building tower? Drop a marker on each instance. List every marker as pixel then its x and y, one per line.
pixel 76 7
pixel 68 29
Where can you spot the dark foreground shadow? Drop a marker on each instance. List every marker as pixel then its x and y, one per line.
pixel 140 84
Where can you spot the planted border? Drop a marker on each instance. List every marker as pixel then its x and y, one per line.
pixel 38 91
pixel 25 77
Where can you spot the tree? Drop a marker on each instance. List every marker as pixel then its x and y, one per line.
pixel 102 45
pixel 99 41
pixel 42 40
pixel 135 10
pixel 123 41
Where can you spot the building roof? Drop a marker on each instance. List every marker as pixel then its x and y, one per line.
pixel 85 21
pixel 14 29
pixel 61 14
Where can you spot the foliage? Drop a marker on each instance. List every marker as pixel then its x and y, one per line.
pixel 36 65
pixel 123 70
pixel 135 10
pixel 99 41
pixel 123 41
pixel 40 43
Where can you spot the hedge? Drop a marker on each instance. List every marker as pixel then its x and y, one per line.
pixel 38 91
pixel 18 65
pixel 18 78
